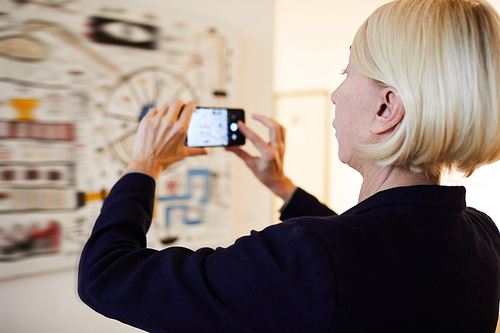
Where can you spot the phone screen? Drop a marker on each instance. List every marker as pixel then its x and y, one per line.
pixel 212 127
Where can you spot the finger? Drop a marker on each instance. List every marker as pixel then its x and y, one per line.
pixel 151 113
pixel 268 122
pixel 194 151
pixel 187 112
pixel 260 144
pixel 246 157
pixel 162 111
pixel 276 131
pixel 174 110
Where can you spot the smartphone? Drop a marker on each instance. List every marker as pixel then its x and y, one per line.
pixel 215 127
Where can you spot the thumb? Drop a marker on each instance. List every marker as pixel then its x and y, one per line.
pixel 194 151
pixel 246 157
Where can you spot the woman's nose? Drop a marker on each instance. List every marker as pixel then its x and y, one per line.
pixel 333 96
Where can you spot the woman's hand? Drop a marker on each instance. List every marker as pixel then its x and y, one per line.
pixel 160 140
pixel 268 168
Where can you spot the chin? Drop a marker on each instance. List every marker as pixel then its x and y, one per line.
pixel 342 158
pixel 345 157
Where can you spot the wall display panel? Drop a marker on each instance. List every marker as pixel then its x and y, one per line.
pixel 307 116
pixel 76 77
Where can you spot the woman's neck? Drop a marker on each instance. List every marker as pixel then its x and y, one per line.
pixel 376 179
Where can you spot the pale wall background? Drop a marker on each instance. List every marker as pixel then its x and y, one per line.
pixel 311 48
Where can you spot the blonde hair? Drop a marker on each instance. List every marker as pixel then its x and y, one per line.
pixel 443 57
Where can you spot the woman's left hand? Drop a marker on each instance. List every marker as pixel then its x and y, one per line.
pixel 268 167
pixel 161 137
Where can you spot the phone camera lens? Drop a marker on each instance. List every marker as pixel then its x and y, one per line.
pixel 233 127
pixel 234 137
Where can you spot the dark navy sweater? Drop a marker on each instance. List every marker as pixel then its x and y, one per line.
pixel 408 259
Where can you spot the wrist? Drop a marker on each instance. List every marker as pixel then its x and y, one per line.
pixel 152 169
pixel 284 188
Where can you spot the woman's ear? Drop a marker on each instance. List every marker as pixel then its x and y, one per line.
pixel 390 113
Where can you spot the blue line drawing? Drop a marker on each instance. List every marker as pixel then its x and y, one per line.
pixel 184 209
pixel 195 202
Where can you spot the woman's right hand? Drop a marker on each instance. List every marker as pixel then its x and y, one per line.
pixel 268 167
pixel 161 137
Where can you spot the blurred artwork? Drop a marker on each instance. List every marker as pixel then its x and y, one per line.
pixel 76 77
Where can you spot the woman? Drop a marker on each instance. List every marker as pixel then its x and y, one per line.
pixel 421 95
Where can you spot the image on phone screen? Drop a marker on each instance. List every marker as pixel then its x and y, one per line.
pixel 215 127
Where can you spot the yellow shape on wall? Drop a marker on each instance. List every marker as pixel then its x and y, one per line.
pixel 24 108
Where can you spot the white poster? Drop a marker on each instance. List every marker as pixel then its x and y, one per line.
pixel 75 79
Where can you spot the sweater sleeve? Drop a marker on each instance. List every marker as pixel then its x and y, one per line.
pixel 277 280
pixel 302 204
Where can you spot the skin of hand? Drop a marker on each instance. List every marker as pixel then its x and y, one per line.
pixel 160 140
pixel 268 167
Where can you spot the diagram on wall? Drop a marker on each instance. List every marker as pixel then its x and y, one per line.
pixel 74 83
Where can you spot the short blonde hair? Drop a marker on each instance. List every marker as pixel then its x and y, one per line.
pixel 443 57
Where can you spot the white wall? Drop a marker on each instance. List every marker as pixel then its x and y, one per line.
pixel 49 303
pixel 312 40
